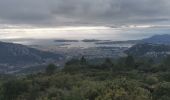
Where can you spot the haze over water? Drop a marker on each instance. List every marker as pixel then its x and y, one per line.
pixel 24 35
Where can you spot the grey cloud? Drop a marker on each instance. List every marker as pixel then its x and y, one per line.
pixel 84 12
pixel 24 11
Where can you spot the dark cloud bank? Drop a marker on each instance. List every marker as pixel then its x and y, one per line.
pixel 84 12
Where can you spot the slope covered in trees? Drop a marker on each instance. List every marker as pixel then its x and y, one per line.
pixel 149 50
pixel 19 54
pixel 123 79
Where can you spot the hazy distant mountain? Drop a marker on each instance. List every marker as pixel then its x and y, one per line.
pixel 17 55
pixel 91 40
pixel 149 50
pixel 63 40
pixel 158 39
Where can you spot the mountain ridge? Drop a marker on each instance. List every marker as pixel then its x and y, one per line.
pixel 149 50
pixel 158 39
pixel 14 56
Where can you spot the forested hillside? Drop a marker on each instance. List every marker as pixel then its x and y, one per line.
pixel 16 57
pixel 123 79
pixel 19 54
pixel 149 50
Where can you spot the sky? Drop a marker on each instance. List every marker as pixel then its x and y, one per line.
pixel 78 19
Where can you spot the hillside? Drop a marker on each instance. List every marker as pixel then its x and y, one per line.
pixel 149 50
pixel 78 80
pixel 158 39
pixel 17 55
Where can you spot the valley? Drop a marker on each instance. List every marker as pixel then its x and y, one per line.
pixel 42 52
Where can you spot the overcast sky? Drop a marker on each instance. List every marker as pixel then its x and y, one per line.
pixel 21 14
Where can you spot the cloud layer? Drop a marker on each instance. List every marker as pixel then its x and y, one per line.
pixel 84 12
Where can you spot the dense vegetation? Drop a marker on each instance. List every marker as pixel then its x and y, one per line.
pixel 122 79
